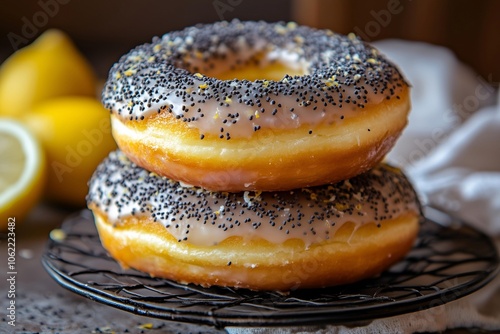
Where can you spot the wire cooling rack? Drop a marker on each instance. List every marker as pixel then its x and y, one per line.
pixel 449 261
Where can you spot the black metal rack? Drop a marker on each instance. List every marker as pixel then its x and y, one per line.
pixel 450 260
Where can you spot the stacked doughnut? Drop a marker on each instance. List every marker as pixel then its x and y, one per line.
pixel 250 157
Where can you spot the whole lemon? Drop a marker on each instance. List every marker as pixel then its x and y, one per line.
pixel 49 67
pixel 75 133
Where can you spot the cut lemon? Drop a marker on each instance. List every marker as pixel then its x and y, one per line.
pixel 22 171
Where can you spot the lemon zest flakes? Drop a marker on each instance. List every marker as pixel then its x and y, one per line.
pixel 216 115
pixel 332 81
pixel 341 207
pixel 146 326
pixel 130 72
pixel 135 58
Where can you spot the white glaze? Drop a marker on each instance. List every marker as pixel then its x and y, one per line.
pixel 121 206
pixel 291 54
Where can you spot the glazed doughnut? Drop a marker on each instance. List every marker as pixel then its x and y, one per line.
pixel 236 106
pixel 310 237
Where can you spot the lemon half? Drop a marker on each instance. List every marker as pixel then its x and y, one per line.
pixel 22 171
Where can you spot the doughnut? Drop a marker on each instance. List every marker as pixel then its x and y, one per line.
pixel 304 238
pixel 235 106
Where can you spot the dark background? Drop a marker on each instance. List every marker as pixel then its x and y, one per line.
pixel 104 30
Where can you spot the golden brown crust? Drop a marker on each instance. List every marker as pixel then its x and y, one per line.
pixel 331 153
pixel 350 255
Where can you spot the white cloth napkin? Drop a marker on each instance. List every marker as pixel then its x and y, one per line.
pixel 451 152
pixel 451 147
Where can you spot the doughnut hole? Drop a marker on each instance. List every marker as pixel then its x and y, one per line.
pixel 272 66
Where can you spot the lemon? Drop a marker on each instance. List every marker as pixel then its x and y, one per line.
pixel 49 67
pixel 22 172
pixel 75 133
